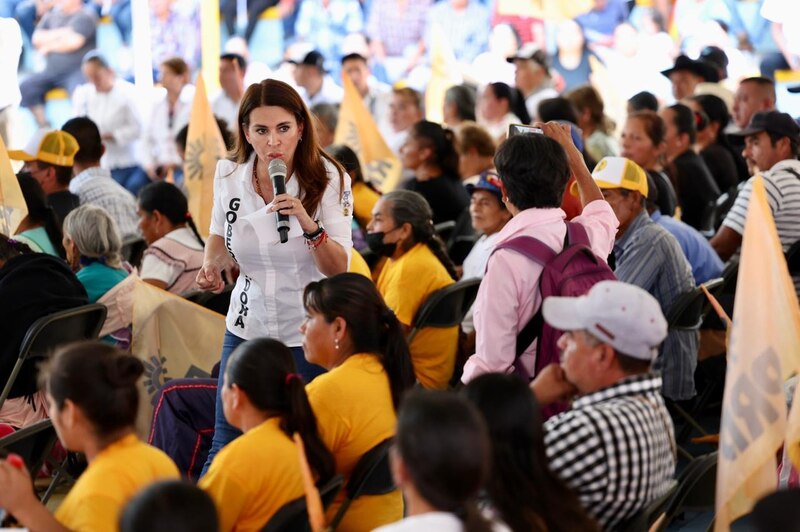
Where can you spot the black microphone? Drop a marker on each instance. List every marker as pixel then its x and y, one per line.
pixel 277 173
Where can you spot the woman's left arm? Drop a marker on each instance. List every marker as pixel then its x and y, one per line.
pixel 332 256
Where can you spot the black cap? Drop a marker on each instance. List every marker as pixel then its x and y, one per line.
pixel 716 56
pixel 315 59
pixel 702 68
pixel 531 51
pixel 772 122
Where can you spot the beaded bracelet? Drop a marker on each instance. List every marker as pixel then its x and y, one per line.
pixel 317 241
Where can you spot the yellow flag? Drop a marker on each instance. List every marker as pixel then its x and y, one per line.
pixel 764 350
pixel 357 129
pixel 316 514
pixel 444 74
pixel 204 147
pixel 543 9
pixel 12 204
pixel 174 338
pixel 210 46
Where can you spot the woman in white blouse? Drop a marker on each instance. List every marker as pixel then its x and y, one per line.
pixel 274 123
pixel 170 113
pixel 175 248
pixel 111 104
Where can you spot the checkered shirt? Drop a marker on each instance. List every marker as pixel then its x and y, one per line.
pixel 615 448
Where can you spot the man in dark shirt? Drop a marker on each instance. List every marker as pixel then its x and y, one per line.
pixel 63 36
pixel 48 158
pixel 697 191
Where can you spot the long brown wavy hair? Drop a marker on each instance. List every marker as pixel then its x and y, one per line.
pixel 309 164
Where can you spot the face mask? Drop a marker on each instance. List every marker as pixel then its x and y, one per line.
pixel 378 246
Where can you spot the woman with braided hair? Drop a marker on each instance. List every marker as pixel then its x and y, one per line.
pixel 175 247
pixel 402 230
pixel 351 332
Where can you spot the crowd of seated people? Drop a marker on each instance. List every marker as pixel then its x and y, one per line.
pixel 324 357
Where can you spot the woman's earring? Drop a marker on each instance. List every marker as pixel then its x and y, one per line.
pixel 336 344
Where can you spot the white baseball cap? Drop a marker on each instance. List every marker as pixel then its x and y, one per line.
pixel 616 313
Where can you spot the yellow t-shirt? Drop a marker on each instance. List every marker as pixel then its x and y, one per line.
pixel 253 476
pixel 364 200
pixel 116 474
pixel 354 410
pixel 359 265
pixel 405 283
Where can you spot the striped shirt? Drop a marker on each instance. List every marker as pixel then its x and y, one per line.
pixel 650 258
pixel 615 448
pixel 95 186
pixel 783 197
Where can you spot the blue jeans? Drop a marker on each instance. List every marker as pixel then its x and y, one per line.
pixel 132 178
pixel 224 432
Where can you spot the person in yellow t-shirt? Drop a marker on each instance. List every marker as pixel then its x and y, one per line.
pixel 253 476
pixel 364 194
pixel 358 264
pixel 402 230
pixel 351 332
pixel 93 401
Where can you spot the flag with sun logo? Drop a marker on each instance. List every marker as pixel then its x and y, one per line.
pixel 356 129
pixel 204 147
pixel 173 337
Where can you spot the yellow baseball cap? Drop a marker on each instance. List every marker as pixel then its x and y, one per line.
pixel 53 147
pixel 618 172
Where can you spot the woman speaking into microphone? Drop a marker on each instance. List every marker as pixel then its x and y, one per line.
pixel 275 129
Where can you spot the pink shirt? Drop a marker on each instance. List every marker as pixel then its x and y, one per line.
pixel 509 293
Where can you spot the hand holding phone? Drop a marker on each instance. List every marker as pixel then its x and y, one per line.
pixel 521 129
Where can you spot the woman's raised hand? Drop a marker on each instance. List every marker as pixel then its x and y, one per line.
pixel 291 206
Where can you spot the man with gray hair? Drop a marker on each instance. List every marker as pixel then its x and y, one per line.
pixel 616 446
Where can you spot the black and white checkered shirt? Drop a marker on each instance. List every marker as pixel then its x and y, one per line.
pixel 615 448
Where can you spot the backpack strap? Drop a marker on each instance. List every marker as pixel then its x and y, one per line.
pixel 540 253
pixel 530 247
pixel 576 234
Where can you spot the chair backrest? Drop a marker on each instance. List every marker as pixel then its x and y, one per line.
pixel 696 489
pixel 714 287
pixel 730 275
pixel 446 307
pixel 33 443
pixel 133 250
pixel 648 515
pixel 793 258
pixel 59 328
pixel 330 490
pixel 218 303
pixel 460 247
pixel 686 310
pixel 292 517
pixel 445 229
pixel 372 475
pixel 724 203
pixel 708 219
